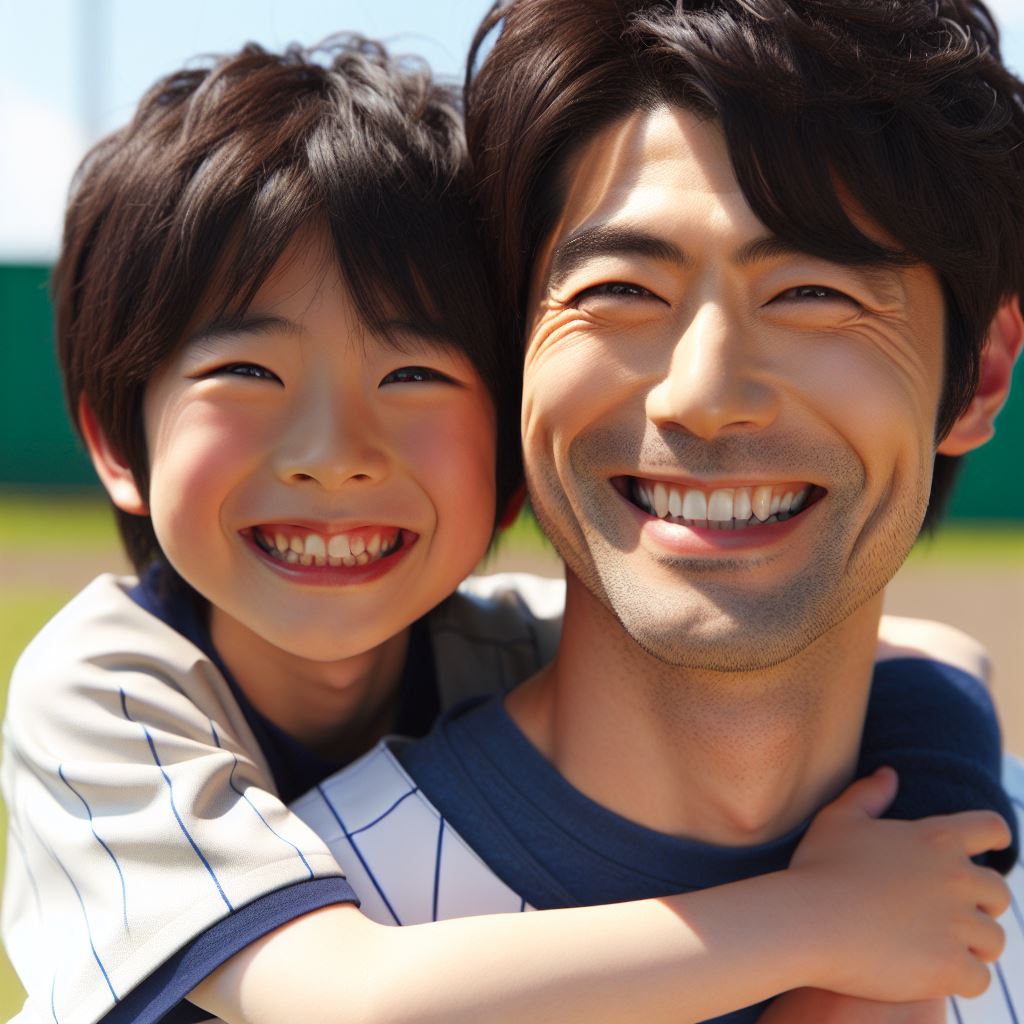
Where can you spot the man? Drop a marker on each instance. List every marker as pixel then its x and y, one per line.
pixel 764 258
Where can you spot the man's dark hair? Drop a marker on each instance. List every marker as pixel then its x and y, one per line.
pixel 900 107
pixel 196 199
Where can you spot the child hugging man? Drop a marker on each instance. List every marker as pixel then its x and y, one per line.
pixel 279 346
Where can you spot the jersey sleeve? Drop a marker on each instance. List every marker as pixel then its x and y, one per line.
pixel 936 725
pixel 141 813
pixel 495 632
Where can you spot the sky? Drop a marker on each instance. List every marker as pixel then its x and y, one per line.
pixel 72 70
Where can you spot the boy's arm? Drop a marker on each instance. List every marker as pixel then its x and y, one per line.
pixel 901 924
pixel 816 1006
pixel 901 637
pixel 931 718
pixel 142 818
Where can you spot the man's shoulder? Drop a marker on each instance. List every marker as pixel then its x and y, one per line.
pixel 494 632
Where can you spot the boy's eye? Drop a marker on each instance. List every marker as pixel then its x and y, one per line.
pixel 249 370
pixel 415 375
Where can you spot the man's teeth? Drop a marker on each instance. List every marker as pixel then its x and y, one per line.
pixel 339 549
pixel 728 508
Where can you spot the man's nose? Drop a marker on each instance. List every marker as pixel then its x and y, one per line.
pixel 332 440
pixel 713 383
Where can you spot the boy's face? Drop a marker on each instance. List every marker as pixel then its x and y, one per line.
pixel 685 373
pixel 320 486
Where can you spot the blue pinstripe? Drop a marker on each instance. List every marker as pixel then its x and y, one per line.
pixel 437 866
pixel 1006 993
pixel 956 1012
pixel 381 817
pixel 170 792
pixel 13 832
pixel 255 809
pixel 85 916
pixel 358 852
pixel 53 998
pixel 110 853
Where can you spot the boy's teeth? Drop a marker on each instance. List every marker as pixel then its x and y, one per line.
pixel 726 508
pixel 337 548
pixel 314 549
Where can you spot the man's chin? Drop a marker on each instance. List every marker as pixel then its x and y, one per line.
pixel 718 636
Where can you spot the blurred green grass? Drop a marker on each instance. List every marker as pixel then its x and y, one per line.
pixel 46 527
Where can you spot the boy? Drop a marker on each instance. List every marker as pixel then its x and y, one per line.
pixel 279 346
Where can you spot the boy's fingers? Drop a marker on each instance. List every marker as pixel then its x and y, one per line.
pixel 974 978
pixel 987 938
pixel 982 831
pixel 870 795
pixel 993 893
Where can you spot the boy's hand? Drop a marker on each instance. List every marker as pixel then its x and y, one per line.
pixel 905 914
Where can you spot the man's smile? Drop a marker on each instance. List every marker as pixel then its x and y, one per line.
pixel 720 508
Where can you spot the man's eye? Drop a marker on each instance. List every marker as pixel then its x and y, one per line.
pixel 813 291
pixel 614 289
pixel 249 370
pixel 415 375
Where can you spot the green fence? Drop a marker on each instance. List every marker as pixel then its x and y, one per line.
pixel 39 449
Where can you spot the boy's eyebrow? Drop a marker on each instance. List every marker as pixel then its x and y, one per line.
pixel 244 323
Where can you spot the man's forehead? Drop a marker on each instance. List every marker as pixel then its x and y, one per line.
pixel 646 151
pixel 660 183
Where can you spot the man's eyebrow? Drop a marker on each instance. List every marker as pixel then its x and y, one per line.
pixel 242 323
pixel 607 240
pixel 769 247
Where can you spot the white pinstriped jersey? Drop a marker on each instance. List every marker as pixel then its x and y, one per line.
pixel 409 866
pixel 142 810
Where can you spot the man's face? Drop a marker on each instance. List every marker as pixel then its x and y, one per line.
pixel 688 379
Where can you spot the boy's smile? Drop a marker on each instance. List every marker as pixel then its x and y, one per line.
pixel 320 554
pixel 322 487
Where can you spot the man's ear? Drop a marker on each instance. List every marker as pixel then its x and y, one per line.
pixel 114 474
pixel 998 356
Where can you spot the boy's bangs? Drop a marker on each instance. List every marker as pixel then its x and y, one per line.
pixel 412 266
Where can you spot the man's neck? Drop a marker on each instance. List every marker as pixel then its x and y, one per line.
pixel 732 758
pixel 338 709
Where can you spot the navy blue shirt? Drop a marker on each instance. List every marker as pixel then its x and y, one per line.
pixel 295 769
pixel 557 848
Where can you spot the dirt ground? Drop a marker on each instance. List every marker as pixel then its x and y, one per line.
pixel 986 601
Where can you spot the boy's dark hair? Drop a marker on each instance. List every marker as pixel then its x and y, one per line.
pixel 904 104
pixel 195 200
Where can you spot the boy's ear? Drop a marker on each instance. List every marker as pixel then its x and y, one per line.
pixel 998 356
pixel 114 474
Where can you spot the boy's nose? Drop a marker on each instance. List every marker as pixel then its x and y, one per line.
pixel 712 384
pixel 332 443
